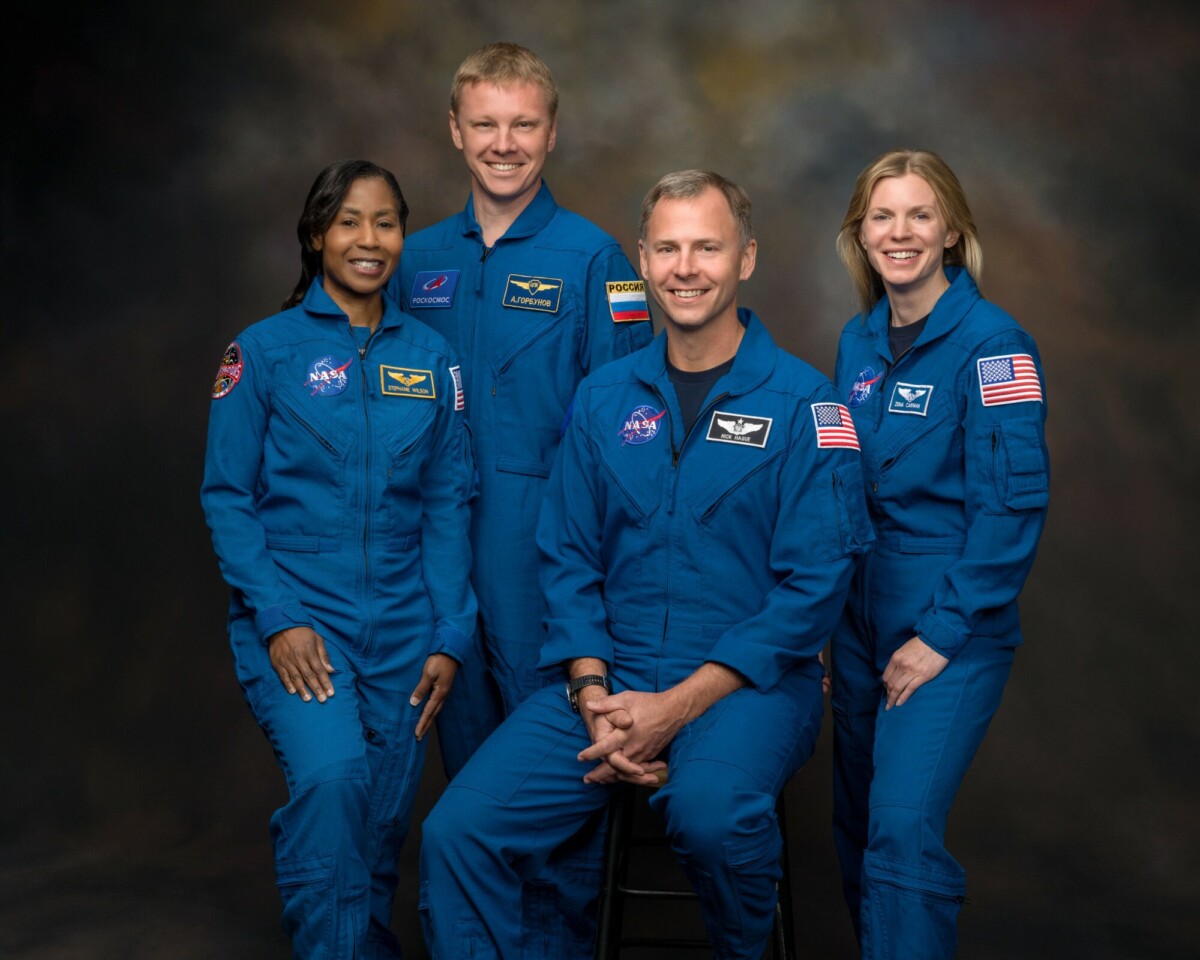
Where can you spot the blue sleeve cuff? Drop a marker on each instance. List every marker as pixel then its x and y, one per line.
pixel 453 643
pixel 558 651
pixel 940 636
pixel 271 620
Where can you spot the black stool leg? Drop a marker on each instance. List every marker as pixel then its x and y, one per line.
pixel 616 852
pixel 783 944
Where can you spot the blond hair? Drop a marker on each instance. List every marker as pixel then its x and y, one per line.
pixel 931 168
pixel 504 64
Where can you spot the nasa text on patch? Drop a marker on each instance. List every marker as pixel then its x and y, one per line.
pixel 406 382
pixel 641 426
pixel 627 300
pixel 433 288
pixel 911 398
pixel 327 376
pixel 860 390
pixel 742 428
pixel 533 293
pixel 229 372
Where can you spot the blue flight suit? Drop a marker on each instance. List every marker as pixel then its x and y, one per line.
pixel 337 484
pixel 527 350
pixel 733 543
pixel 957 484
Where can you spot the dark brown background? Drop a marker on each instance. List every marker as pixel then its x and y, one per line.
pixel 154 166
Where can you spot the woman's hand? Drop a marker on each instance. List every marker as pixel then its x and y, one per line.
pixel 298 656
pixel 436 680
pixel 912 665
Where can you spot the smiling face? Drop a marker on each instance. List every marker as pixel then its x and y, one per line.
pixel 361 247
pixel 905 234
pixel 504 134
pixel 693 261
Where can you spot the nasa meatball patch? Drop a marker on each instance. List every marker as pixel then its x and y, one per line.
pixel 641 426
pixel 911 398
pixel 433 289
pixel 327 376
pixel 739 428
pixel 229 372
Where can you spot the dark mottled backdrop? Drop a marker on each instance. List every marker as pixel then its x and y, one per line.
pixel 155 162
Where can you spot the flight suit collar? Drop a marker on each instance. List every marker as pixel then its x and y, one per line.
pixel 529 223
pixel 752 365
pixel 948 313
pixel 318 303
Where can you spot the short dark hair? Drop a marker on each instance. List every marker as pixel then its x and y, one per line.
pixel 324 200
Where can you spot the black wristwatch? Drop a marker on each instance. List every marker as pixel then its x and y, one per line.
pixel 588 680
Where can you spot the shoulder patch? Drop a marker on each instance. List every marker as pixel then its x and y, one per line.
pixel 406 382
pixel 744 429
pixel 1011 378
pixel 433 289
pixel 460 402
pixel 835 426
pixel 627 300
pixel 533 293
pixel 229 372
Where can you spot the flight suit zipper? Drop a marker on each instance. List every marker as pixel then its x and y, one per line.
pixel 369 624
pixel 676 453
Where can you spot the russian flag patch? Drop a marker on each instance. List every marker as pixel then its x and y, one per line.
pixel 627 300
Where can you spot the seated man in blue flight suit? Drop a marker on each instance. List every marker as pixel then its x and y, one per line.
pixel 697 542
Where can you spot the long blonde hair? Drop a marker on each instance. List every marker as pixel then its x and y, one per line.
pixel 933 170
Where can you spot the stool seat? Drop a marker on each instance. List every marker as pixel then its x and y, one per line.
pixel 617 889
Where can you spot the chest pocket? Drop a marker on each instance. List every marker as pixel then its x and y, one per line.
pixel 742 477
pixel 525 331
pixel 299 424
pixel 906 434
pixel 409 424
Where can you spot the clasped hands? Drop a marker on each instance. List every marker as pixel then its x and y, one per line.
pixel 628 730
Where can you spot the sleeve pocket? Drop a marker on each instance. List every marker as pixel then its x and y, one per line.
pixel 1023 472
pixel 849 509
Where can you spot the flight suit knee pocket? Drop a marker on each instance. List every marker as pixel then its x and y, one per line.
pixel 306 887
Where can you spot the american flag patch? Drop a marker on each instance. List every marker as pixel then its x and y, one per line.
pixel 460 402
pixel 1012 378
pixel 835 427
pixel 627 300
